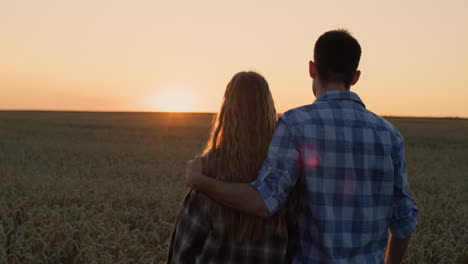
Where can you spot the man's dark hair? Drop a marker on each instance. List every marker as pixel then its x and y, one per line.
pixel 336 56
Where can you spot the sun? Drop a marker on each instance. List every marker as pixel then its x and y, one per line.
pixel 175 100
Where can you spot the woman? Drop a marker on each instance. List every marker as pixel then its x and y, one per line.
pixel 206 232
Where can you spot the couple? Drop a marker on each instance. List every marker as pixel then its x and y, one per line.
pixel 327 184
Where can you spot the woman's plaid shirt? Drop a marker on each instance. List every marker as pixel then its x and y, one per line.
pixel 199 238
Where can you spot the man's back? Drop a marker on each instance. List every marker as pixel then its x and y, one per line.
pixel 354 179
pixel 351 162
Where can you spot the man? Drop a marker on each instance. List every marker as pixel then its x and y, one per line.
pixel 352 162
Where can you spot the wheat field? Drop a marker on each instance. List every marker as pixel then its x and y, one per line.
pixel 83 187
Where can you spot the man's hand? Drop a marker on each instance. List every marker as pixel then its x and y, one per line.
pixel 193 171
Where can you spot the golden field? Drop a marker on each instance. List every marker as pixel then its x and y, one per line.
pixel 84 187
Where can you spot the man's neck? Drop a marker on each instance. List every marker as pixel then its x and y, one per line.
pixel 331 86
pixel 335 86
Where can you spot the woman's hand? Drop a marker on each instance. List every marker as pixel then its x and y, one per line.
pixel 194 172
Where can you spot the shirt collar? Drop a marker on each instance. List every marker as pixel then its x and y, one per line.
pixel 339 95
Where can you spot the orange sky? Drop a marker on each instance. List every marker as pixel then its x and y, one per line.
pixel 179 55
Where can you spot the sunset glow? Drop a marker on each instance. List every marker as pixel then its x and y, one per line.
pixel 125 55
pixel 175 100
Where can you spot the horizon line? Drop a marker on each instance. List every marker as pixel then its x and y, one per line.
pixel 193 112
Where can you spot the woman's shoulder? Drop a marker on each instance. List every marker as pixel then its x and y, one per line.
pixel 195 198
pixel 192 201
pixel 195 204
pixel 210 162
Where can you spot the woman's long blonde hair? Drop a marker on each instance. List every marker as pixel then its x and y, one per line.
pixel 237 146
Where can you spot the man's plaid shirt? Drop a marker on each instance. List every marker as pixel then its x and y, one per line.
pixel 355 183
pixel 199 238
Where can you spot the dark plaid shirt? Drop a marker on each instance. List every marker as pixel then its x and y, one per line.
pixel 199 238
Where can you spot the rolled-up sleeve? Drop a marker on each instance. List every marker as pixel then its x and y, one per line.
pixel 279 172
pixel 405 212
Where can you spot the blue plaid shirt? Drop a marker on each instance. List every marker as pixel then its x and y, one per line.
pixel 353 172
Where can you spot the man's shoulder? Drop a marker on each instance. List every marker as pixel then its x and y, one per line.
pixel 300 115
pixel 317 113
pixel 382 123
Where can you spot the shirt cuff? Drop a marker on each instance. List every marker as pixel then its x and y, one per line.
pixel 265 191
pixel 404 222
